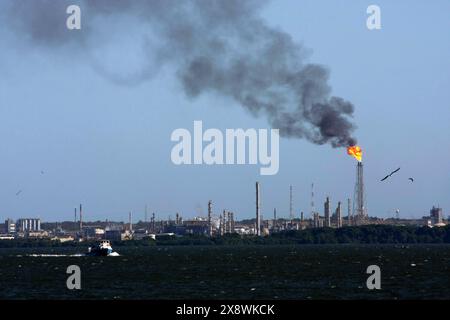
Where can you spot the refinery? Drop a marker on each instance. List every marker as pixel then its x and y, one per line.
pixel 220 222
pixel 217 222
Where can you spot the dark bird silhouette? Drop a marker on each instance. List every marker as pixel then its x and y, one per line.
pixel 412 180
pixel 390 174
pixel 18 192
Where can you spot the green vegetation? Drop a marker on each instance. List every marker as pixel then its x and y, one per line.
pixel 369 234
pixel 376 234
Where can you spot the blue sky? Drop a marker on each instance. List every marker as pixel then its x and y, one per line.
pixel 108 146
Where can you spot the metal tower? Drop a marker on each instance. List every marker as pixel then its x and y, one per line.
pixel 359 205
pixel 210 229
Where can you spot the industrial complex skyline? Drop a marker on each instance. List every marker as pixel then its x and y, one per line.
pixel 215 224
pixel 356 214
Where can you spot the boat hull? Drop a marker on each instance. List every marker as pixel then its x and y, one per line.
pixel 103 252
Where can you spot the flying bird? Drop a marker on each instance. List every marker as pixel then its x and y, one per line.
pixel 390 174
pixel 18 192
pixel 412 180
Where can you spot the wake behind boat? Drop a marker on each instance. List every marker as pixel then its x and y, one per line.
pixel 103 249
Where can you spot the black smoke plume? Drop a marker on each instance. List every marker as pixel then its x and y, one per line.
pixel 222 47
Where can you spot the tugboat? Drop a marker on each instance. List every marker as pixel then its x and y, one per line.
pixel 103 249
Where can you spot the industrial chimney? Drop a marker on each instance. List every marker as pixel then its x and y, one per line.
pixel 360 212
pixel 232 222
pixel 338 216
pixel 291 212
pixel 81 217
pixel 258 213
pixel 209 218
pixel 130 221
pixel 153 222
pixel 327 213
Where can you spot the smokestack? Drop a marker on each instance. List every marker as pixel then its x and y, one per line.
pixel 258 213
pixel 210 231
pixel 81 217
pixel 153 222
pixel 75 216
pixel 146 214
pixel 291 213
pixel 275 214
pixel 232 222
pixel 301 216
pixel 130 221
pixel 327 213
pixel 338 216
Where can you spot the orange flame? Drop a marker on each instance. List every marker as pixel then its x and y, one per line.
pixel 356 152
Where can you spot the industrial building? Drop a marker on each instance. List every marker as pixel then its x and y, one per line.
pixel 28 224
pixel 10 226
pixel 436 216
pixel 117 235
pixel 93 232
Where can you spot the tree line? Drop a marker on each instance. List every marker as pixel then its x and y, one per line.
pixel 368 234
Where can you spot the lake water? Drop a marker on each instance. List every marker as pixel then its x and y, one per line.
pixel 226 272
